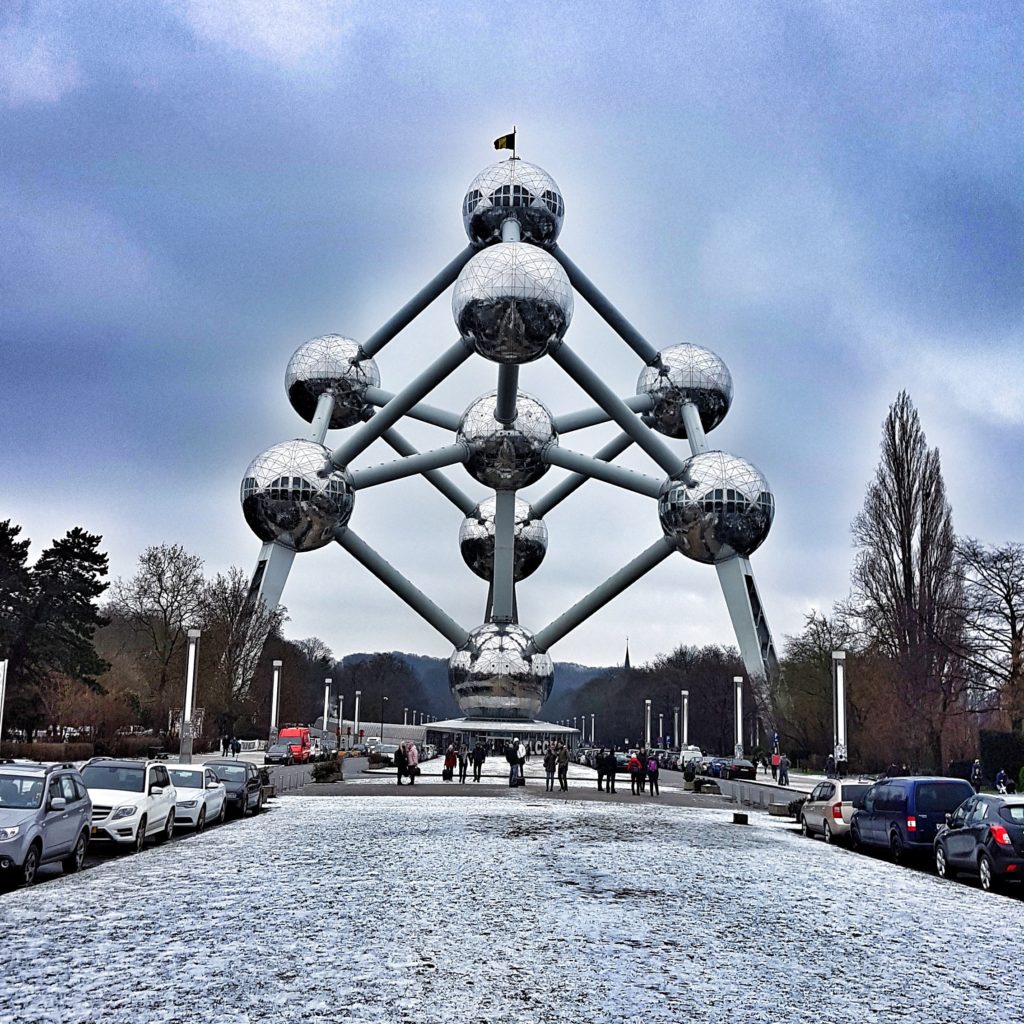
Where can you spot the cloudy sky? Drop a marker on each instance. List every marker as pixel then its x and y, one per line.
pixel 828 195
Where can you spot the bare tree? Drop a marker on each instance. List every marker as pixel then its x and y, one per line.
pixel 993 583
pixel 160 603
pixel 906 591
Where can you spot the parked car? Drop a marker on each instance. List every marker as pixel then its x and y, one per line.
pixel 244 788
pixel 297 737
pixel 903 814
pixel 386 752
pixel 279 753
pixel 131 801
pixel 983 836
pixel 621 762
pixel 737 768
pixel 828 811
pixel 201 798
pixel 45 814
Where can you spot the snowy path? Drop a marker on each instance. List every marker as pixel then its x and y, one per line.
pixel 503 910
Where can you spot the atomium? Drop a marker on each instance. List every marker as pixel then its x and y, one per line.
pixel 516 190
pixel 688 373
pixel 716 507
pixel 476 540
pixel 496 674
pixel 286 500
pixel 507 458
pixel 512 302
pixel 330 364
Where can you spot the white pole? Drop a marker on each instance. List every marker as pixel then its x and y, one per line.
pixel 675 728
pixel 3 693
pixel 185 744
pixel 355 722
pixel 647 723
pixel 661 729
pixel 592 740
pixel 839 704
pixel 685 695
pixel 405 716
pixel 275 700
pixel 341 718
pixel 327 701
pixel 738 681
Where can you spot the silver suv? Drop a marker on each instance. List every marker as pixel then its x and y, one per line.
pixel 44 817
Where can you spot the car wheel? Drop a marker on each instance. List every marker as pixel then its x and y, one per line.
pixel 223 812
pixel 259 804
pixel 30 869
pixel 855 843
pixel 167 832
pixel 942 868
pixel 987 874
pixel 77 859
pixel 804 829
pixel 140 837
pixel 201 820
pixel 896 850
pixel 826 831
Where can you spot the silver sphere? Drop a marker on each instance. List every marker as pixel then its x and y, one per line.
pixel 688 373
pixel 326 364
pixel 716 507
pixel 512 301
pixel 507 458
pixel 492 675
pixel 476 540
pixel 516 189
pixel 285 499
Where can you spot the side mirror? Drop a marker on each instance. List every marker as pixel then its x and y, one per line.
pixel 156 790
pixel 212 785
pixel 58 803
pixel 949 820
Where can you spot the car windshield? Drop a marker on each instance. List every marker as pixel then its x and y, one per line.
pixel 111 776
pixel 229 772
pixel 290 741
pixel 942 797
pixel 21 792
pixel 1014 813
pixel 186 779
pixel 280 748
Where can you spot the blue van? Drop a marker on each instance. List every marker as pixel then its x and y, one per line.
pixel 903 814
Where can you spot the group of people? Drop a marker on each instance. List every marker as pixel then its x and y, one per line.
pixel 229 745
pixel 407 762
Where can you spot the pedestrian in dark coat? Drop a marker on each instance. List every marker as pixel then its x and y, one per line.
pixel 602 767
pixel 611 766
pixel 550 763
pixel 479 756
pixel 401 762
pixel 236 747
pixel 562 756
pixel 652 775
pixel 463 762
pixel 976 776
pixel 633 767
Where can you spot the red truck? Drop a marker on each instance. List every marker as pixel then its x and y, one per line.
pixel 297 737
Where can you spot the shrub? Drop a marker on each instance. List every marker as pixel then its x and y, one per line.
pixel 325 771
pixel 48 751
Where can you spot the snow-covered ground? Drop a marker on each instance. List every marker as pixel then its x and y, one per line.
pixel 506 908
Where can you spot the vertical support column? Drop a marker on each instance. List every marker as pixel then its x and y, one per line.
pixel 738 686
pixel 743 602
pixel 3 694
pixel 503 589
pixel 327 701
pixel 275 702
pixel 405 716
pixel 661 730
pixel 592 734
pixel 185 747
pixel 271 574
pixel 685 697
pixel 321 421
pixel 694 429
pixel 676 738
pixel 355 717
pixel 840 746
pixel 341 718
pixel 647 722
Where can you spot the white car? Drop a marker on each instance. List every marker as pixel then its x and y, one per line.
pixel 201 796
pixel 131 801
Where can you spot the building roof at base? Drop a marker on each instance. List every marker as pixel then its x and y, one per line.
pixel 503 726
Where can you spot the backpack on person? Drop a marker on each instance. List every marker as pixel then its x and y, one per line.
pixel 652 767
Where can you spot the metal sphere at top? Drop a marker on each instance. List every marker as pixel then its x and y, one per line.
pixel 507 457
pixel 512 301
pixel 286 500
pixel 688 373
pixel 516 189
pixel 716 507
pixel 328 364
pixel 495 675
pixel 476 540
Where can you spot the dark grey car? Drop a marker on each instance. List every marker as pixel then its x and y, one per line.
pixel 44 817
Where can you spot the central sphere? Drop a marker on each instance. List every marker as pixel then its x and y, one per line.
pixel 328 364
pixel 716 507
pixel 511 302
pixel 476 540
pixel 492 675
pixel 507 458
pixel 518 190
pixel 688 373
pixel 286 500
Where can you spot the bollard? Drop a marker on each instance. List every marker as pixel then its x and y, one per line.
pixel 739 818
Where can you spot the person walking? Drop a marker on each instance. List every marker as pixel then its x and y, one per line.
pixel 610 768
pixel 563 766
pixel 1001 780
pixel 413 757
pixel 830 767
pixel 652 775
pixel 602 767
pixel 633 767
pixel 225 745
pixel 783 770
pixel 236 747
pixel 450 759
pixel 521 755
pixel 463 762
pixel 512 757
pixel 642 770
pixel 776 757
pixel 479 756
pixel 401 762
pixel 550 763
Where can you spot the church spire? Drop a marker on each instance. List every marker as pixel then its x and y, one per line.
pixel 626 665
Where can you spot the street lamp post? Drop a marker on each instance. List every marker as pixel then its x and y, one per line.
pixel 355 717
pixel 185 747
pixel 275 702
pixel 738 683
pixel 647 723
pixel 840 747
pixel 685 695
pixel 327 702
pixel 405 716
pixel 592 740
pixel 661 729
pixel 675 729
pixel 383 701
pixel 341 720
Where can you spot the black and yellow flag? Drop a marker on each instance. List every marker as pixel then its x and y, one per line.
pixel 506 141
